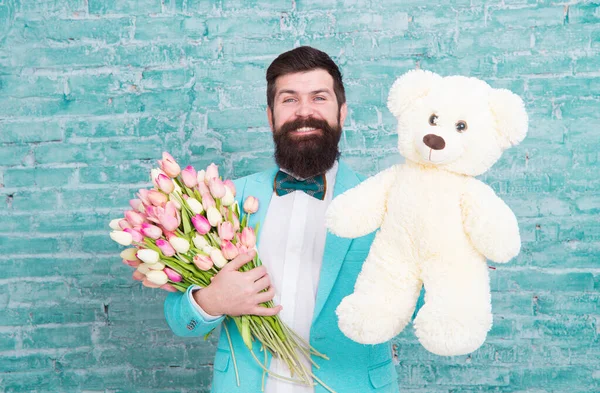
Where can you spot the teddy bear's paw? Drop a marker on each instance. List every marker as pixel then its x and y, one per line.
pixel 365 321
pixel 449 334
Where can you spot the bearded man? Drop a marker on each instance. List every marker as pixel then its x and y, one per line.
pixel 307 271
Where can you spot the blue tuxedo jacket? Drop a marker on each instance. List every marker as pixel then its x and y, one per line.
pixel 353 367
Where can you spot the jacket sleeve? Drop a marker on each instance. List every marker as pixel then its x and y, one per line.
pixel 183 317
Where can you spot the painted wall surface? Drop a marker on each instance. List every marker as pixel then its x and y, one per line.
pixel 92 91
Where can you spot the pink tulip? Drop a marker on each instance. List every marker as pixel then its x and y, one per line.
pixel 124 224
pixel 203 188
pixel 217 188
pixel 165 184
pixel 136 204
pixel 189 176
pixel 235 221
pixel 169 234
pixel 225 230
pixel 208 201
pixel 172 275
pixel 169 217
pixel 131 263
pixel 201 224
pixel 138 276
pixel 203 262
pixel 151 231
pixel 242 249
pixel 224 211
pixel 248 238
pixel 157 198
pixel 169 165
pixel 229 184
pixel 143 195
pixel 135 235
pixel 251 205
pixel 134 218
pixel 229 250
pixel 165 247
pixel 212 172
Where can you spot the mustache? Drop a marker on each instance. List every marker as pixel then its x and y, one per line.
pixel 310 122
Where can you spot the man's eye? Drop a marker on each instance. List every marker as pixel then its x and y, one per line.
pixel 288 100
pixel 318 98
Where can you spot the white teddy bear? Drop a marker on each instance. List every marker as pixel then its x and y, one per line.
pixel 438 224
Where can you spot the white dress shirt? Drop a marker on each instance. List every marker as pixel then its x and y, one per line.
pixel 292 243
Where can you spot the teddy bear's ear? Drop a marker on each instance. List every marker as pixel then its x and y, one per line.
pixel 408 88
pixel 511 117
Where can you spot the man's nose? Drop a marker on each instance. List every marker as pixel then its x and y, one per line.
pixel 304 109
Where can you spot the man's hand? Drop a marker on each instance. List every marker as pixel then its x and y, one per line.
pixel 238 293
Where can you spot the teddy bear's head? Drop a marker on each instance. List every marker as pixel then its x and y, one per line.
pixel 456 123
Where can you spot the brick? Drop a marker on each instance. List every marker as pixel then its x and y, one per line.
pixel 243 27
pixel 30 85
pixel 523 280
pixel 137 7
pixel 347 22
pixel 169 28
pixel 521 18
pixel 70 31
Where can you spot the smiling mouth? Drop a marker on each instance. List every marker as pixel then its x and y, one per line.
pixel 306 130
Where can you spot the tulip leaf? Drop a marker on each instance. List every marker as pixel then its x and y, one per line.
pixel 186 221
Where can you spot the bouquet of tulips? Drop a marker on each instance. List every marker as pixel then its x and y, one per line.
pixel 183 231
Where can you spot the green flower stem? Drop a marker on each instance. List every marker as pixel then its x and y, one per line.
pixel 237 376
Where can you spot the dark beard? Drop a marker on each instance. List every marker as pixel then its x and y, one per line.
pixel 310 155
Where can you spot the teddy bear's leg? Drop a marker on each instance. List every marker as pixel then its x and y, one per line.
pixel 457 313
pixel 385 293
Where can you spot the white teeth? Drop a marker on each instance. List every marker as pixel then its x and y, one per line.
pixel 305 129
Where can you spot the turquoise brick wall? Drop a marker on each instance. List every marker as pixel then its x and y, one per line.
pixel 92 91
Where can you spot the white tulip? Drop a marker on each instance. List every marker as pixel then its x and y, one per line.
pixel 157 277
pixel 214 216
pixel 123 238
pixel 149 256
pixel 207 249
pixel 114 224
pixel 157 266
pixel 228 199
pixel 218 258
pixel 129 254
pixel 154 174
pixel 200 242
pixel 143 268
pixel 200 175
pixel 179 244
pixel 194 205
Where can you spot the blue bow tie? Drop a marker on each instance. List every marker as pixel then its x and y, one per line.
pixel 314 186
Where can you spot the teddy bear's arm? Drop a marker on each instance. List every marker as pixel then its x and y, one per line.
pixel 360 210
pixel 489 223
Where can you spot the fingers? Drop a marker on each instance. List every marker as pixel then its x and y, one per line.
pixel 240 261
pixel 256 273
pixel 263 282
pixel 267 311
pixel 265 296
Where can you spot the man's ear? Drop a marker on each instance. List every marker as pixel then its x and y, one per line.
pixel 270 117
pixel 343 113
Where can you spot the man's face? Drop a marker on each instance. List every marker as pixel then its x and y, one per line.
pixel 306 122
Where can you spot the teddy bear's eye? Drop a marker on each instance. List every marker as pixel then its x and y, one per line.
pixel 461 126
pixel 433 120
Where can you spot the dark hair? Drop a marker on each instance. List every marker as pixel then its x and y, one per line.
pixel 302 59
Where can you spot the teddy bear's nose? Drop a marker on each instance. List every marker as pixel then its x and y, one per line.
pixel 435 142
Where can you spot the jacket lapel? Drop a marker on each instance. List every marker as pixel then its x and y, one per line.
pixel 335 247
pixel 260 187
